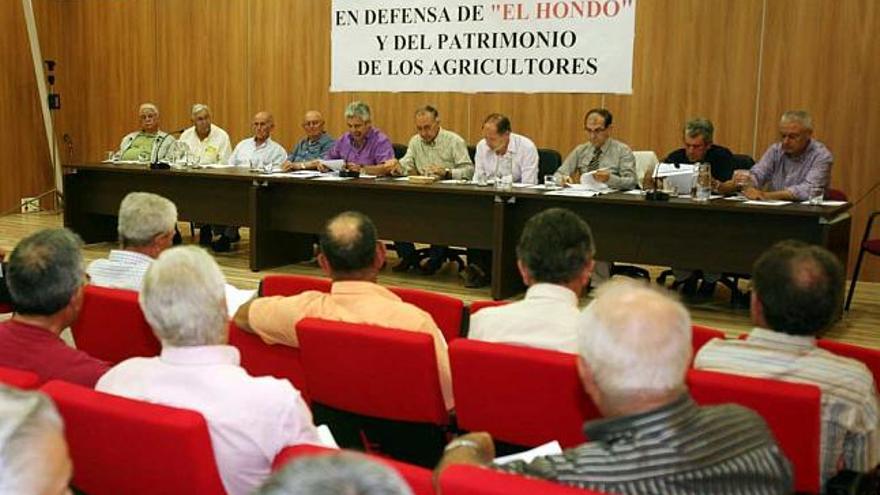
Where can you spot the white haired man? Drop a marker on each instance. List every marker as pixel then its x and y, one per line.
pixel 250 419
pixel 635 348
pixel 207 141
pixel 341 473
pixel 149 142
pixel 364 147
pixel 789 169
pixel 33 452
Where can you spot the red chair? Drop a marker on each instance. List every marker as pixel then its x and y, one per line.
pixel 832 194
pixel 291 285
pixel 472 480
pixel 446 310
pixel 521 395
pixel 120 445
pixel 702 334
pixel 111 326
pixel 478 305
pixel 871 357
pixel 418 478
pixel 5 308
pixel 262 359
pixel 19 378
pixel 870 246
pixel 791 410
pixel 365 377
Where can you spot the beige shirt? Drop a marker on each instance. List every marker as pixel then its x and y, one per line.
pixel 274 318
pixel 616 157
pixel 215 148
pixel 448 150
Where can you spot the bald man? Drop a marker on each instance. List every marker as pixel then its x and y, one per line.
pixel 313 146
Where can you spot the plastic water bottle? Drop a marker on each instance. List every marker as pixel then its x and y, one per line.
pixel 504 174
pixel 704 182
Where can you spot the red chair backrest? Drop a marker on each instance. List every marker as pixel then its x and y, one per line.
pixel 791 410
pixel 702 334
pixel 478 305
pixel 262 359
pixel 832 194
pixel 5 308
pixel 111 326
pixel 371 370
pixel 19 378
pixel 520 395
pixel 418 478
pixel 871 357
pixel 291 285
pixel 471 480
pixel 120 445
pixel 445 310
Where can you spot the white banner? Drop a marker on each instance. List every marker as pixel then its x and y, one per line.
pixel 529 46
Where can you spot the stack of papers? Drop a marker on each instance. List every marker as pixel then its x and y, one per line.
pixel 549 448
pixel 589 182
pixel 826 203
pixel 767 202
pixel 334 165
pixel 681 177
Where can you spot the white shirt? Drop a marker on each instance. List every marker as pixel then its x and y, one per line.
pixel 522 153
pixel 215 148
pixel 249 419
pixel 268 152
pixel 121 270
pixel 546 318
pixel 850 426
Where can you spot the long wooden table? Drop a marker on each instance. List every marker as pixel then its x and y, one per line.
pixel 284 212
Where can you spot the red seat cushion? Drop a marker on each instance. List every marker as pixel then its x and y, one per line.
pixel 520 395
pixel 262 359
pixel 120 445
pixel 291 285
pixel 418 478
pixel 702 334
pixel 472 480
pixel 870 357
pixel 111 326
pixel 445 310
pixel 19 378
pixel 476 306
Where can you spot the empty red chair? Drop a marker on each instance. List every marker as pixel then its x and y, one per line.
pixel 472 480
pixel 111 326
pixel 521 395
pixel 445 310
pixel 261 359
pixel 871 357
pixel 478 305
pixel 120 445
pixel 5 308
pixel 791 410
pixel 19 378
pixel 418 478
pixel 868 245
pixel 702 334
pixel 291 285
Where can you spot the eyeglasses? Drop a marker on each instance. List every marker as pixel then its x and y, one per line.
pixel 600 130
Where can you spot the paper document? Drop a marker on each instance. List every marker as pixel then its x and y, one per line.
pixel 235 297
pixel 549 448
pixel 767 202
pixel 335 165
pixel 826 203
pixel 579 193
pixel 367 176
pixel 332 178
pixel 459 182
pixel 305 174
pixel 326 437
pixel 680 177
pixel 216 165
pixel 588 181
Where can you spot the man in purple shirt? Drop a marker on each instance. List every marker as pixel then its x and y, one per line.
pixel 46 279
pixel 789 169
pixel 363 147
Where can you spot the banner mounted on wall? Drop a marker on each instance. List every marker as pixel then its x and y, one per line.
pixel 529 46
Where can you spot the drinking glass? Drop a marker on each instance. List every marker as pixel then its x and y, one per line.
pixel 817 194
pixel 703 182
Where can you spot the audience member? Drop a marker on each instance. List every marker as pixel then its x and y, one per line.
pixel 789 169
pixel 45 278
pixel 343 473
pixel 33 452
pixel 352 255
pixel 440 153
pixel 149 143
pixel 363 148
pixel 554 258
pixel 312 147
pixel 249 419
pixel 797 293
pixel 208 142
pixel 635 348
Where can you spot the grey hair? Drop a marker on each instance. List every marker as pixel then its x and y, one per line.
pixel 345 473
pixel 800 116
pixel 148 106
pixel 636 341
pixel 184 298
pixel 143 216
pixel 428 109
pixel 700 127
pixel 199 108
pixel 45 270
pixel 25 417
pixel 358 109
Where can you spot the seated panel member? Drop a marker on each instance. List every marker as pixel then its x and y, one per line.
pixel 612 161
pixel 555 258
pixel 250 419
pixel 499 143
pixel 207 141
pixel 363 147
pixel 149 141
pixel 312 147
pixel 438 152
pixel 45 277
pixel 352 255
pixel 635 349
pixel 790 168
pixel 797 293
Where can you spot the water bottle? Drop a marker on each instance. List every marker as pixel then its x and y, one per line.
pixel 504 174
pixel 704 182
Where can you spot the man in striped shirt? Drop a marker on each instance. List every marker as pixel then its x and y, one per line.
pixel 797 293
pixel 635 347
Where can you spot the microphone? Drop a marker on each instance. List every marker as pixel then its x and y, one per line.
pixel 656 194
